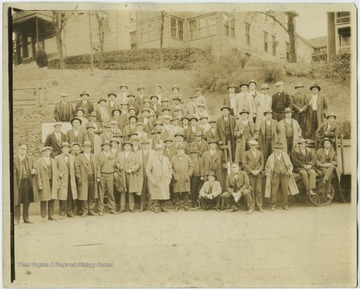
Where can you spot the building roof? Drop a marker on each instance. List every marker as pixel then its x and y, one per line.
pixel 318 42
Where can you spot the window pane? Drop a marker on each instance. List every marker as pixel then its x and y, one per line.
pixel 212 20
pixel 173 33
pixel 202 32
pixel 202 22
pixel 181 25
pixel 173 23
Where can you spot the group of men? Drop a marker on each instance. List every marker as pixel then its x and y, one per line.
pixel 146 151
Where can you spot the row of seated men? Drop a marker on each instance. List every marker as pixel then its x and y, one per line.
pixel 148 178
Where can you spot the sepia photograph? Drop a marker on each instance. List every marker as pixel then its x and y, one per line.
pixel 179 145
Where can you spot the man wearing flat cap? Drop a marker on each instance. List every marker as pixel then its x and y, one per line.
pixel 280 101
pixel 299 105
pixel 47 177
pixel 85 104
pixel 55 139
pixel 254 100
pixel 24 184
pixel 67 192
pixel 64 110
pixel 317 109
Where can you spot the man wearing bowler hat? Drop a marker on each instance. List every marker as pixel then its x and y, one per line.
pixel 209 194
pixel 47 176
pixel 93 138
pixel 317 109
pixel 280 101
pixel 24 184
pixel 199 144
pixel 67 192
pixel 267 136
pixel 64 111
pixel 93 120
pixel 279 177
pixel 55 139
pixel 289 131
pixel 85 103
pixel 87 172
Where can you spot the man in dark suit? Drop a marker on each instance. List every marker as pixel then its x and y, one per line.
pixel 280 101
pixel 268 135
pixel 254 165
pixel 199 144
pixel 226 125
pixel 55 140
pixel 24 173
pixel 64 110
pixel 85 104
pixel 237 185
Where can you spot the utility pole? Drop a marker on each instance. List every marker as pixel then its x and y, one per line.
pixel 91 45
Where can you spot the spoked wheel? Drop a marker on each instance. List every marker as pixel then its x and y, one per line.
pixel 321 198
pixel 242 203
pixel 301 196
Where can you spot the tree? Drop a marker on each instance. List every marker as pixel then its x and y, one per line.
pixel 59 19
pixel 101 33
pixel 162 15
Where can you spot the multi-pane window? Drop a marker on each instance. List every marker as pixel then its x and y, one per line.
pixel 177 28
pixel 266 41
pixel 150 30
pixel 273 44
pixel 202 27
pixel 247 33
pixel 229 25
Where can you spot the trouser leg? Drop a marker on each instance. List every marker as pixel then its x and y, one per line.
pixel 17 212
pixel 327 172
pixel 131 201
pixel 305 179
pixel 285 189
pixel 186 198
pixel 62 207
pixel 248 198
pixel 255 183
pixel 110 191
pixel 289 142
pixel 123 201
pixel 143 194
pixel 43 205
pixel 51 207
pixel 312 178
pixel 228 199
pixel 275 183
pixel 70 203
pixel 177 198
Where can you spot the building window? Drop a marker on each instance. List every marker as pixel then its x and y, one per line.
pixel 287 44
pixel 202 27
pixel 273 43
pixel 343 17
pixel 150 30
pixel 229 26
pixel 133 40
pixel 266 42
pixel 177 28
pixel 247 33
pixel 132 16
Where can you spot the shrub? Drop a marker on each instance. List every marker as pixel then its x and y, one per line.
pixel 297 69
pixel 54 64
pixel 340 67
pixel 41 58
pixel 345 128
pixel 273 73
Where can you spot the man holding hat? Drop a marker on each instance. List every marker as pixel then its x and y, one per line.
pixel 299 105
pixel 289 131
pixel 87 172
pixel 106 162
pixel 75 134
pixel 230 99
pixel 64 111
pixel 93 138
pixel 268 134
pixel 254 166
pixel 317 109
pixel 128 165
pixel 85 103
pixel 226 125
pixel 47 176
pixel 244 131
pixel 182 167
pixel 209 194
pixel 67 192
pixel 304 162
pixel 280 101
pixel 279 177
pixel 55 139
pixel 159 173
pixel 237 185
pixel 24 184
pixel 328 129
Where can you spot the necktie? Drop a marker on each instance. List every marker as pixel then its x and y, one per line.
pixel 210 187
pixel 66 159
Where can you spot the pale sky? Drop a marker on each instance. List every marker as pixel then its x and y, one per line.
pixel 311 23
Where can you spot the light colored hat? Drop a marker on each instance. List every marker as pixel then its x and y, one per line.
pixel 86 144
pixel 45 149
pixel 65 144
pixel 279 83
pixel 57 124
pixel 253 142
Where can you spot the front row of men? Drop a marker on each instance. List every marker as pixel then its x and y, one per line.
pixel 80 182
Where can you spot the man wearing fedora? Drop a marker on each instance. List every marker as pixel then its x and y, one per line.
pixel 122 95
pixel 85 103
pixel 106 134
pixel 192 130
pixel 195 179
pixel 280 101
pixel 254 166
pixel 237 185
pixel 93 138
pixel 267 135
pixel 128 165
pixel 299 106
pixel 289 131
pixel 242 101
pixel 67 192
pixel 230 99
pixel 279 177
pixel 175 94
pixel 210 192
pixel 199 144
pixel 182 167
pixel 254 100
pixel 212 132
pixel 226 125
pixel 265 102
pixel 199 98
pixel 80 112
pixel 111 103
pixel 106 162
pixel 328 129
pixel 158 92
pixel 140 97
pixel 244 131
pixel 102 111
pixel 76 133
pixel 24 184
pixel 94 121
pixel 317 108
pixel 64 110
pixel 47 177
pixel 159 174
pixel 87 172
pixel 304 164
pixel 55 139
pixel 191 107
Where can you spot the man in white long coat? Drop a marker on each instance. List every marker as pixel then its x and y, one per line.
pixel 159 174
